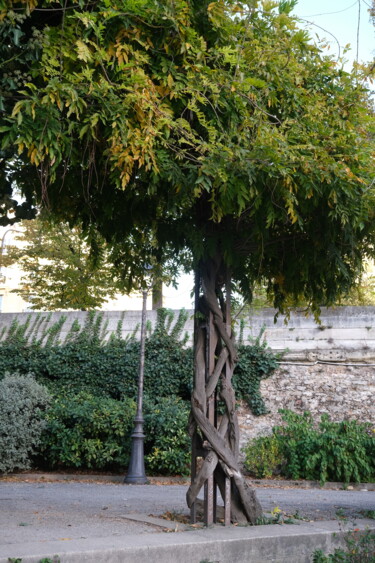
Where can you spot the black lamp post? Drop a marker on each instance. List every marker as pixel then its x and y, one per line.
pixel 136 471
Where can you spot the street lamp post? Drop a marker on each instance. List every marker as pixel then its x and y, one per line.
pixel 136 471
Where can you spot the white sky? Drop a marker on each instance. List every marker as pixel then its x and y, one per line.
pixel 348 22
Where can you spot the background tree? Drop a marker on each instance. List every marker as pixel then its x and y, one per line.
pixel 59 270
pixel 214 130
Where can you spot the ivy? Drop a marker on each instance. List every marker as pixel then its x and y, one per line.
pixel 91 360
pixel 256 362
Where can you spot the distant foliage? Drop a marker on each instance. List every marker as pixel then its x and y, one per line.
pixel 23 402
pixel 59 270
pixel 329 451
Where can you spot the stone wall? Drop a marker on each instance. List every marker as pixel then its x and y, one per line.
pixel 341 390
pixel 326 368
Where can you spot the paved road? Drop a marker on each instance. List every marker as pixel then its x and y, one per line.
pixel 35 511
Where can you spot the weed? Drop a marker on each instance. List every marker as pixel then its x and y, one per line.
pixel 359 548
pixel 277 517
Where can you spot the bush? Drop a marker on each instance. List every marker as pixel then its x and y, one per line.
pixel 93 379
pixel 86 361
pixel 167 444
pixel 23 402
pixel 330 451
pixel 87 432
pixel 263 457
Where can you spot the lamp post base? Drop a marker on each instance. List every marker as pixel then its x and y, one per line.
pixel 136 472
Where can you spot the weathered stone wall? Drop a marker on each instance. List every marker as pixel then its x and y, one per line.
pixel 341 390
pixel 327 368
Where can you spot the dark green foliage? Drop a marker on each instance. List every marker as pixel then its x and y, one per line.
pixel 167 443
pixel 330 451
pixel 87 431
pixel 85 361
pixel 94 380
pixel 22 404
pixel 88 361
pixel 256 362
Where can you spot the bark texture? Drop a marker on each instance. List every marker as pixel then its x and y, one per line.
pixel 216 437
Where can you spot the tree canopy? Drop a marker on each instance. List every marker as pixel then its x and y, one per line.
pixel 198 125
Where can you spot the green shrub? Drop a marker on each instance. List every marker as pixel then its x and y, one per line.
pixel 327 451
pixel 86 366
pixel 297 441
pixel 23 402
pixel 263 457
pixel 333 451
pixel 167 443
pixel 87 431
pixel 87 361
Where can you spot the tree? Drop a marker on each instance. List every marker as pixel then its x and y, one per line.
pixel 59 271
pixel 216 132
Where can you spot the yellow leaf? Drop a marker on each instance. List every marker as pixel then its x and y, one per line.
pixel 84 53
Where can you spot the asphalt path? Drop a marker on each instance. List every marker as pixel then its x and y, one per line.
pixel 43 511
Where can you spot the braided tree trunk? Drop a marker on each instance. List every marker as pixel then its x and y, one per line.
pixel 215 437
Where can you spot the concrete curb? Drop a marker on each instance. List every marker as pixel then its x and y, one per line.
pixel 260 544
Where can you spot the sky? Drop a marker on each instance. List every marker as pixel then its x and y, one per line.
pixel 343 21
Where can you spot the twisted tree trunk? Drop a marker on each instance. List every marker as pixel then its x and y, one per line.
pixel 215 437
